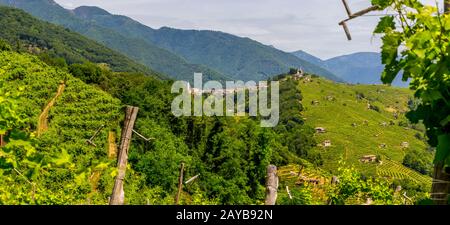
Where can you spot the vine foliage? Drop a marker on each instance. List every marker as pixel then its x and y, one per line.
pixel 416 42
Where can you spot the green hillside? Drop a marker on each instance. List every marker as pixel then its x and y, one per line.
pixel 356 131
pixel 29 34
pixel 154 57
pixel 236 57
pixel 48 161
pixel 177 53
pixel 64 169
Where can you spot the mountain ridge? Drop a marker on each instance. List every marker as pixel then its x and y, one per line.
pixel 237 57
pixel 156 58
pixel 354 68
pixel 24 31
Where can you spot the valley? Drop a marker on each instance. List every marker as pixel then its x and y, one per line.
pixel 68 77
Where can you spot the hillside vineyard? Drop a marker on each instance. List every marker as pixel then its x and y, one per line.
pixel 101 109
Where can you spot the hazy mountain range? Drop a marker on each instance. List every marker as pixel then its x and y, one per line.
pixel 356 68
pixel 179 53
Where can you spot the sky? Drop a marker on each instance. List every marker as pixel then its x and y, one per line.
pixel 289 25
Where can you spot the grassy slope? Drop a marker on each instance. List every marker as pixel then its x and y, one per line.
pixel 351 143
pixel 74 117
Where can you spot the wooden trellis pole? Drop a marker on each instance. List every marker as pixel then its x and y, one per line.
pixel 180 184
pixel 118 195
pixel 271 185
pixel 351 16
pixel 289 192
pixel 192 179
pixel 1 141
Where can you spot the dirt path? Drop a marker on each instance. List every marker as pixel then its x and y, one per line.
pixel 43 118
pixel 112 147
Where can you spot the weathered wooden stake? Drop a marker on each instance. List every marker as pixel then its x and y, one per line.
pixel 289 192
pixel 271 185
pixel 300 170
pixel 1 141
pixel 192 179
pixel 334 180
pixel 180 185
pixel 351 16
pixel 347 8
pixel 118 195
pixel 441 185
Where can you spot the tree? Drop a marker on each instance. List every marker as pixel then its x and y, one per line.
pixel 418 43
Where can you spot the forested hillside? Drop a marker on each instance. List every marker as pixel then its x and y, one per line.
pixel 178 53
pixel 50 162
pixel 137 49
pixel 335 143
pixel 24 32
pixel 236 57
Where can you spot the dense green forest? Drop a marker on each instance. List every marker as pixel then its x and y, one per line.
pixel 24 32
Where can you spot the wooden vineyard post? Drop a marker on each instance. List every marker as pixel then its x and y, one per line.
pixel 180 185
pixel 289 192
pixel 334 181
pixel 351 16
pixel 1 140
pixel 118 195
pixel 271 185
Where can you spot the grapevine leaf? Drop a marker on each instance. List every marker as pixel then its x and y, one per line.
pixel 445 121
pixel 385 23
pixel 443 148
pixel 382 3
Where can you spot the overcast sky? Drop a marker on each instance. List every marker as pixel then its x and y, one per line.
pixel 290 25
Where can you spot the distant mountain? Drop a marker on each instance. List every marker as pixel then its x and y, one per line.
pixel 310 58
pixel 24 31
pixel 141 51
pixel 236 57
pixel 171 51
pixel 361 67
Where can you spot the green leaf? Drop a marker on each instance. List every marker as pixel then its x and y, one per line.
pixel 382 3
pixel 445 121
pixel 443 148
pixel 80 178
pixel 62 159
pixel 385 23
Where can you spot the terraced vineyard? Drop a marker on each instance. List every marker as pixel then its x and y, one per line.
pixel 359 120
pixel 392 169
pixel 289 176
pixel 71 165
pixel 290 173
